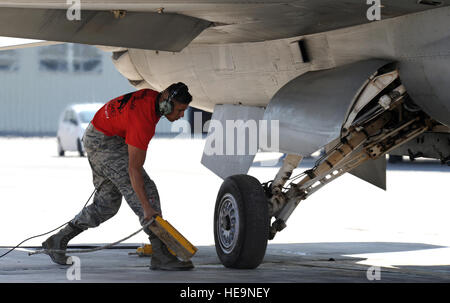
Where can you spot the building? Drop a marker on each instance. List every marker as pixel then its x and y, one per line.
pixel 36 84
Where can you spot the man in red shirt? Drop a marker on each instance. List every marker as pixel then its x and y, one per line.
pixel 116 144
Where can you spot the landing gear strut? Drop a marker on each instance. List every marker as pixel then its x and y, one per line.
pixel 371 138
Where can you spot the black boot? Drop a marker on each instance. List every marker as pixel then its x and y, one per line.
pixel 59 241
pixel 162 259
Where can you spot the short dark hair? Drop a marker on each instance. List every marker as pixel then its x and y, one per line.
pixel 181 91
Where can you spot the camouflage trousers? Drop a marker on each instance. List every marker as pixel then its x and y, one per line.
pixel 108 158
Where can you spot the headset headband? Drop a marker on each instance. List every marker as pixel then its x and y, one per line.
pixel 175 92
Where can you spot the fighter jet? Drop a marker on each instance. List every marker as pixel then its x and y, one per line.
pixel 356 78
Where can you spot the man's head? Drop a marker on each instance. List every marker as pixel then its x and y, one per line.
pixel 174 101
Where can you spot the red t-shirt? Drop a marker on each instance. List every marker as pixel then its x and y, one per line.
pixel 131 116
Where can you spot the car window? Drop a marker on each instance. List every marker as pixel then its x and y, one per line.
pixel 86 116
pixel 67 116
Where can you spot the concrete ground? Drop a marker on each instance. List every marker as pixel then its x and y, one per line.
pixel 337 235
pixel 288 263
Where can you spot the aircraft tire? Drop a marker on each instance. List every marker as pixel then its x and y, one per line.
pixel 241 222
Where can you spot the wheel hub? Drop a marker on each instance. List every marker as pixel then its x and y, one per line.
pixel 228 227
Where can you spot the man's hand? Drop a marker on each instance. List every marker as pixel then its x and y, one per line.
pixel 150 212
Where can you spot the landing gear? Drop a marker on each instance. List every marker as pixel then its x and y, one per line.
pixel 245 208
pixel 241 222
pixel 378 133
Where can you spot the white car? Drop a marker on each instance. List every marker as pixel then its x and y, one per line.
pixel 72 124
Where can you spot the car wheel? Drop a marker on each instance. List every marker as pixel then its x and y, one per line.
pixel 80 148
pixel 60 150
pixel 241 222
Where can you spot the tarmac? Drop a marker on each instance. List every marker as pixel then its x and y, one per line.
pixel 283 263
pixel 349 231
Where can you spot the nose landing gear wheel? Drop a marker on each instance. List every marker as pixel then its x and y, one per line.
pixel 241 222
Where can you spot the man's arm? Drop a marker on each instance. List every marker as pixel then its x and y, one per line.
pixel 136 159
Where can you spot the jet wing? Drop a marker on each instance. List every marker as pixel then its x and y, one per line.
pixel 146 30
pixel 171 25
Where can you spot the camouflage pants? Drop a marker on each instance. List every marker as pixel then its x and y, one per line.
pixel 108 158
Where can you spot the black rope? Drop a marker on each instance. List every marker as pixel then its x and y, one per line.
pixel 37 236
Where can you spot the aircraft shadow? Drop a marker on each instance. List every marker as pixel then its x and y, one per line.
pixel 398 262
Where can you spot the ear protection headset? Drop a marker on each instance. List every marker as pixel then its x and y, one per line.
pixel 166 106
